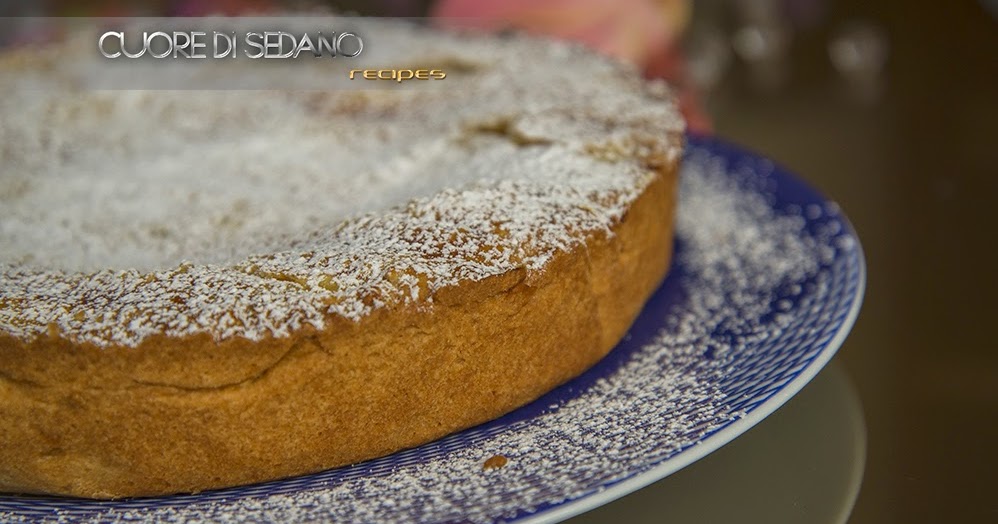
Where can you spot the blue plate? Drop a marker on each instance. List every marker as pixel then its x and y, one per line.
pixel 766 282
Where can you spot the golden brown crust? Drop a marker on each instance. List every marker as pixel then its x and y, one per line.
pixel 189 414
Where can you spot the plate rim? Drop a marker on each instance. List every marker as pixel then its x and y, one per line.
pixel 757 414
pixel 613 490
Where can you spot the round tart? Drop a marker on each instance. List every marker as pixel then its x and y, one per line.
pixel 202 289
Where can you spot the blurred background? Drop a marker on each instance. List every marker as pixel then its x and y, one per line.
pixel 890 108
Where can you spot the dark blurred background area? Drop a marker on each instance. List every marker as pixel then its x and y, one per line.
pixel 889 107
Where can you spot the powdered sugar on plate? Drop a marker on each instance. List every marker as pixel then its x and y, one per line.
pixel 766 279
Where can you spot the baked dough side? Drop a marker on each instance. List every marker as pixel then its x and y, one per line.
pixel 190 414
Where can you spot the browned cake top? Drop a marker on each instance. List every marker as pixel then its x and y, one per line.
pixel 130 213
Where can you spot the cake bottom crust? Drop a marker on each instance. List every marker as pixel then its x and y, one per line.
pixel 189 414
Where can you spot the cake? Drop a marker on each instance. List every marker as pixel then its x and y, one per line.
pixel 201 289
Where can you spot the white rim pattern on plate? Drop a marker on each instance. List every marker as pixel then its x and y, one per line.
pixel 740 325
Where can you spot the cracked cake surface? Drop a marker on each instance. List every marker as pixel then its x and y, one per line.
pixel 256 213
pixel 202 289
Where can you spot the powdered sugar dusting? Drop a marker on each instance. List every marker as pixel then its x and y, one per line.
pixel 756 285
pixel 252 214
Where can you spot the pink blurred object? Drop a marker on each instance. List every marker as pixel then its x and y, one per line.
pixel 642 32
pixel 220 7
